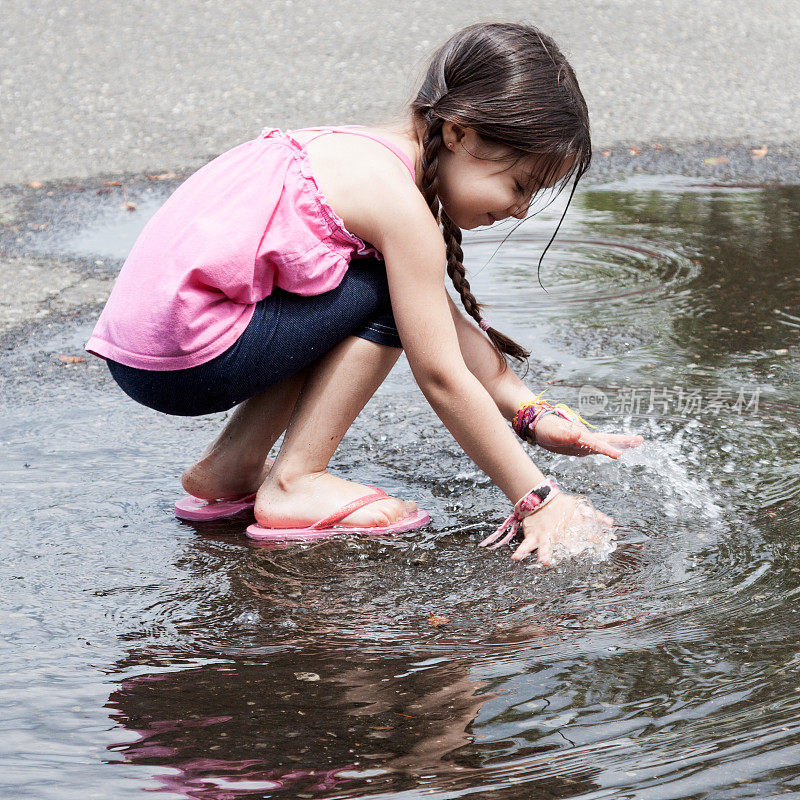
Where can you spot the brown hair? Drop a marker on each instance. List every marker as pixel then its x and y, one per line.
pixel 510 84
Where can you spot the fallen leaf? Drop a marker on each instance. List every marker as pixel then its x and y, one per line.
pixel 307 676
pixel 757 153
pixel 128 206
pixel 112 183
pixel 436 620
pixel 717 160
pixel 606 153
pixel 35 184
pixel 634 151
pixel 71 359
pixel 658 146
pixel 164 176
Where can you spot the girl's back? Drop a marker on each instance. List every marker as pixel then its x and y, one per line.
pixel 266 214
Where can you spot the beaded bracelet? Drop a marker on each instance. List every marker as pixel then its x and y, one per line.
pixel 528 416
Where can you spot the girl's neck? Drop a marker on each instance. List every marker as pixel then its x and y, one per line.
pixel 410 131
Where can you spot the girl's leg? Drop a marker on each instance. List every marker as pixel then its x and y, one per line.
pixel 298 489
pixel 235 462
pixel 300 335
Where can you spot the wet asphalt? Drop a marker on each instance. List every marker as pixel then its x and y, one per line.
pixel 101 101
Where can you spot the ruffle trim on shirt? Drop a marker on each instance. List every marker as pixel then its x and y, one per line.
pixel 334 222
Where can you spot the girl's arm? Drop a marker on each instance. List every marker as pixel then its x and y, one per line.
pixel 503 385
pixel 509 392
pixel 389 212
pixel 403 229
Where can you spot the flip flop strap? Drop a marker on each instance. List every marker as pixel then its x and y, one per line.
pixel 338 516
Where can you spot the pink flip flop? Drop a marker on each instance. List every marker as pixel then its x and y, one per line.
pixel 196 510
pixel 327 526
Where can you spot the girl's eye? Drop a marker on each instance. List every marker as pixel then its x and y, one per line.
pixel 519 188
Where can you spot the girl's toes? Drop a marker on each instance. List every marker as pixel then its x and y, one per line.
pixel 381 519
pixel 389 512
pixel 394 511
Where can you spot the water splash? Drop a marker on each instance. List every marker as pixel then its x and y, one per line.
pixel 665 462
pixel 584 536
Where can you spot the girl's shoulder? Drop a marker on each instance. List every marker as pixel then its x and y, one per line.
pixel 357 169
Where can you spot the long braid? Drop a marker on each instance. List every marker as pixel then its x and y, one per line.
pixel 457 273
pixel 513 87
pixel 432 142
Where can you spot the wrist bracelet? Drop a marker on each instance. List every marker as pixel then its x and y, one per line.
pixel 528 415
pixel 536 499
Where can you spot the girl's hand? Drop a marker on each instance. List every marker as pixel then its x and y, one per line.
pixel 567 519
pixel 571 438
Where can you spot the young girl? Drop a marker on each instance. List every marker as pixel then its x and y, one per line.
pixel 282 278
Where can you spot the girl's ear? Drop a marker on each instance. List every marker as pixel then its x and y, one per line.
pixel 453 134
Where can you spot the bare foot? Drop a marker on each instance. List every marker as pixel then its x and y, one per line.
pixel 309 498
pixel 215 477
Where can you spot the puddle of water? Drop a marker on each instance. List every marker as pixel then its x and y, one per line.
pixel 142 653
pixel 112 235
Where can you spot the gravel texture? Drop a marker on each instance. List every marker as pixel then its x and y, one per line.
pixel 91 87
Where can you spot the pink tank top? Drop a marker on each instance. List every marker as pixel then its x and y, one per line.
pixel 248 221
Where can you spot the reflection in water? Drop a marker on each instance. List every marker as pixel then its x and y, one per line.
pixel 748 287
pixel 271 726
pixel 671 670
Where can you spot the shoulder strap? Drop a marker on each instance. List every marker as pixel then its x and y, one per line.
pixel 317 132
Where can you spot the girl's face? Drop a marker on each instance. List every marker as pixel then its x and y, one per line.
pixel 480 184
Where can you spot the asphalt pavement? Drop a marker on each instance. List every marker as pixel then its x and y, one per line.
pixel 94 96
pixel 91 87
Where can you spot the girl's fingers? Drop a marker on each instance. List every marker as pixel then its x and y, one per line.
pixel 598 444
pixel 605 449
pixel 545 553
pixel 529 544
pixel 624 440
pixel 611 444
pixel 544 546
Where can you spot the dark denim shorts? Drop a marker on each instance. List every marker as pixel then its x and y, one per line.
pixel 286 334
